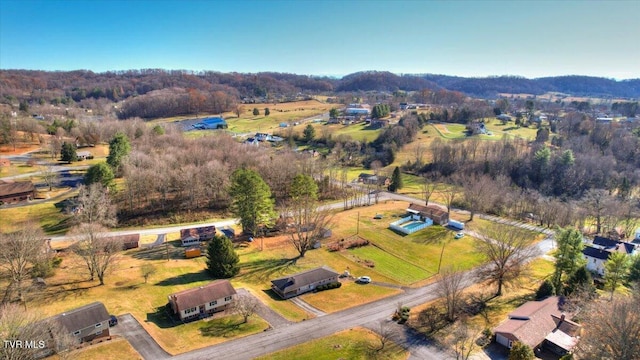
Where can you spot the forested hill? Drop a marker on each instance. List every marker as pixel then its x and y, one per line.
pixel 59 86
pixel 573 85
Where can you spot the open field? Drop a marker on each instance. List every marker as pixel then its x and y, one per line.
pixel 354 344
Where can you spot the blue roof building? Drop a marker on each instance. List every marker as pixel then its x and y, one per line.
pixel 211 123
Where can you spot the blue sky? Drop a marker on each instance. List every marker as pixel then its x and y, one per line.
pixel 466 38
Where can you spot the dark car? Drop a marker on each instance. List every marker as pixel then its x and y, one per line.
pixel 113 320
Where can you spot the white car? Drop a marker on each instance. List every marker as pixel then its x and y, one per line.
pixel 363 280
pixel 459 235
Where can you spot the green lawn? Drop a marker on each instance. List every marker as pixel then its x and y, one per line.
pixel 360 132
pixel 47 215
pixel 389 265
pixel 354 344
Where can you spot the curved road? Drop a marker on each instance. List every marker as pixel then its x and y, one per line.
pixel 367 315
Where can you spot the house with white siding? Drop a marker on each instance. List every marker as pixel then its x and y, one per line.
pixel 202 301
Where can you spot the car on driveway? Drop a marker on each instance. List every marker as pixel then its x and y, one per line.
pixel 113 320
pixel 459 235
pixel 363 280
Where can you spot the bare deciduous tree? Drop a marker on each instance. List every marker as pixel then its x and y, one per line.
pixel 428 187
pixel 463 340
pixel 507 249
pixel 147 270
pixel 385 334
pixel 449 287
pixel 477 193
pixel 45 337
pixel 20 250
pixel 450 194
pixel 611 329
pixel 49 174
pixel 96 248
pixel 245 306
pixel 94 206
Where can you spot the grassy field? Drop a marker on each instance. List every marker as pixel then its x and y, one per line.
pixel 47 215
pixel 116 349
pixel 348 295
pixel 354 344
pixel 419 252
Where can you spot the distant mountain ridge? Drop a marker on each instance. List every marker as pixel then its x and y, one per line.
pixel 32 85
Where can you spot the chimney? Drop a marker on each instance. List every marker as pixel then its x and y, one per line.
pixel 562 316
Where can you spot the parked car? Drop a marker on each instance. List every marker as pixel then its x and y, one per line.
pixel 378 216
pixel 113 320
pixel 363 280
pixel 458 235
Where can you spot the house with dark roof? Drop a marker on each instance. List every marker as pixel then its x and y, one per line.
pixel 432 212
pixel 202 301
pixel 16 191
pixel 597 253
pixel 539 324
pixel 86 323
pixel 300 283
pixel 372 179
pixel 193 236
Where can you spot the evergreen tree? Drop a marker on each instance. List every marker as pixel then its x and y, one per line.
pixel 616 270
pixel 334 113
pixel 520 351
pixel 119 148
pixel 580 280
pixel 634 269
pixel 68 152
pixel 251 200
pixel 546 289
pixel 568 255
pixel 99 173
pixel 256 112
pixel 396 180
pixel 309 133
pixel 222 260
pixel 267 112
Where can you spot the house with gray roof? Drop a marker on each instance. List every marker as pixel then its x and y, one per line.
pixel 86 323
pixel 202 301
pixel 300 283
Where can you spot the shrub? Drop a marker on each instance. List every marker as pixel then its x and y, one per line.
pixel 546 289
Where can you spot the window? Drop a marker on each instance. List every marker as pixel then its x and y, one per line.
pixel 98 325
pixel 213 303
pixel 228 298
pixel 76 333
pixel 510 344
pixel 98 332
pixel 189 311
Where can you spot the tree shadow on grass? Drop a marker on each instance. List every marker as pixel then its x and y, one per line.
pixel 432 235
pixel 162 318
pixel 58 227
pixel 265 269
pixel 187 278
pixel 221 327
pixel 160 252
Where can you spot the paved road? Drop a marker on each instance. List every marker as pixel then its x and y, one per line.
pixel 129 328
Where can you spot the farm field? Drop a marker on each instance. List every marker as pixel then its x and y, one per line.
pixel 354 344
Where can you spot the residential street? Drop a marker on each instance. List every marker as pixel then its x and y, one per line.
pixel 285 334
